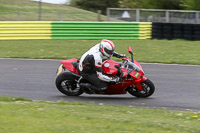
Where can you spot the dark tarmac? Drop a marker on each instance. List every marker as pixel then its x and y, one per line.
pixel 177 86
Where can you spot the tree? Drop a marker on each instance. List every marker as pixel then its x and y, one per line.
pixel 190 4
pixel 150 4
pixel 161 4
pixel 130 3
pixel 94 5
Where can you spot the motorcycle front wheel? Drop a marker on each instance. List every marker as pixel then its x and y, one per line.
pixel 148 89
pixel 66 84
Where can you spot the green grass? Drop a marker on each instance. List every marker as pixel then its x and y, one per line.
pixel 19 115
pixel 162 51
pixel 50 12
pixel 25 116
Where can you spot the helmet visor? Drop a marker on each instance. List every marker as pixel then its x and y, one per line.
pixel 110 52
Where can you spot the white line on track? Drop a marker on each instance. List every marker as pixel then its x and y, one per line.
pixel 30 59
pixel 63 59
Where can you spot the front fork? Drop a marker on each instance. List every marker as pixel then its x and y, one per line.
pixel 138 82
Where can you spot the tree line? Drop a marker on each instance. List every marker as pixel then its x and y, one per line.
pixel 94 5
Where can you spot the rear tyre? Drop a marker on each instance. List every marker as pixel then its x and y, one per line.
pixel 148 89
pixel 66 84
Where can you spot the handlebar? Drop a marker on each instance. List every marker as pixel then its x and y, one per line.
pixel 122 73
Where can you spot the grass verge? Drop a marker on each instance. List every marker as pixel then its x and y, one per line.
pixel 162 51
pixel 28 9
pixel 20 115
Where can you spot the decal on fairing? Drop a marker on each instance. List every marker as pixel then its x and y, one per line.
pixel 136 74
pixel 106 64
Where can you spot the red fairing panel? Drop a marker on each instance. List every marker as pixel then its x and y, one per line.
pixel 108 67
pixel 138 64
pixel 68 64
pixel 138 83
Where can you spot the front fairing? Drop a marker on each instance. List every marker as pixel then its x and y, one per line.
pixel 133 69
pixel 138 64
pixel 135 72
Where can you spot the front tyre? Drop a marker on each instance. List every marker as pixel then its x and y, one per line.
pixel 66 84
pixel 148 89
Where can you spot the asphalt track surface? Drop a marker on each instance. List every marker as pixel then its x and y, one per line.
pixel 177 86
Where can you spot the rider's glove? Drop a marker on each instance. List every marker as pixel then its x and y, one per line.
pixel 115 81
pixel 122 55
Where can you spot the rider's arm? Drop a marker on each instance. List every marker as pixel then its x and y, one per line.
pixel 103 77
pixel 118 55
pixel 99 71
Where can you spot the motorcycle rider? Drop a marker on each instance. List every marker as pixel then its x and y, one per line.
pixel 90 65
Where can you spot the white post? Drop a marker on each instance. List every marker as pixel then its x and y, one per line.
pixel 167 16
pixel 137 15
pixel 40 10
pixel 108 14
pixel 99 15
pixel 196 17
pixel 60 16
pixel 18 16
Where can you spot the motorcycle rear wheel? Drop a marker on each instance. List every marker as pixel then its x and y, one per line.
pixel 148 89
pixel 66 84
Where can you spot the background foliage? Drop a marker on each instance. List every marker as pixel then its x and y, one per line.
pixel 94 5
pixel 190 4
pixel 147 4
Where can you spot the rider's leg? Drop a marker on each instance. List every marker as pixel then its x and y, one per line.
pixel 96 83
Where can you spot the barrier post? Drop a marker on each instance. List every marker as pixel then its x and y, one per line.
pixel 99 15
pixel 40 10
pixel 60 18
pixel 137 15
pixel 196 17
pixel 167 16
pixel 108 14
pixel 18 16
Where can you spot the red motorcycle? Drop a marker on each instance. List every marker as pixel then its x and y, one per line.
pixel 129 71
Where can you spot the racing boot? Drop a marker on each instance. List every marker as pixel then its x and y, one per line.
pixel 89 86
pixel 102 90
pixel 86 88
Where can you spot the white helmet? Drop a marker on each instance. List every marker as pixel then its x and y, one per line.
pixel 107 48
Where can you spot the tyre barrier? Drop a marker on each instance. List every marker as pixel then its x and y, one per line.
pixel 11 30
pixel 175 31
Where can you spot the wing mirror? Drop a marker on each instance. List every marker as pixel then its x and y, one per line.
pixel 131 52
